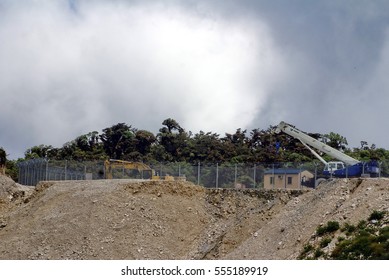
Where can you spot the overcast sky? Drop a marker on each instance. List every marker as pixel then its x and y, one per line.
pixel 75 66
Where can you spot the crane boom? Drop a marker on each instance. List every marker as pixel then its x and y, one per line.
pixel 310 141
pixel 353 167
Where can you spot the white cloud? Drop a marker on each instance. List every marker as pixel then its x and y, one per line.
pixel 64 73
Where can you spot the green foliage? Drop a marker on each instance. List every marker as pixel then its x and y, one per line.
pixel 362 224
pixel 324 242
pixel 118 140
pixel 306 250
pixel 335 140
pixel 341 238
pixel 174 144
pixel 318 253
pixel 40 151
pixel 331 226
pixel 3 156
pixel 321 230
pixel 365 241
pixel 11 169
pixel 348 228
pixel 364 245
pixel 376 215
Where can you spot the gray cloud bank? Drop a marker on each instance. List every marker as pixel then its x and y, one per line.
pixel 70 67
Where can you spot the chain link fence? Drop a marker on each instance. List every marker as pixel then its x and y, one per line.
pixel 224 175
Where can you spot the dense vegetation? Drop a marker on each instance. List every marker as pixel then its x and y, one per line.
pixel 174 144
pixel 369 240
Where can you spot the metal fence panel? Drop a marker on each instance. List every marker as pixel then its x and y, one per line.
pixel 226 175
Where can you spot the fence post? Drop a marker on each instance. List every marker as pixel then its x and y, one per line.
pixel 33 178
pixel 198 173
pixel 217 175
pixel 363 168
pixel 236 175
pixel 300 175
pixel 30 174
pixel 19 172
pixel 66 167
pixel 255 179
pixel 47 170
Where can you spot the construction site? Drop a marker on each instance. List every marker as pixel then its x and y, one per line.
pixel 160 219
pixel 59 213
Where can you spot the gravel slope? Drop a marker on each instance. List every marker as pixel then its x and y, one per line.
pixel 119 219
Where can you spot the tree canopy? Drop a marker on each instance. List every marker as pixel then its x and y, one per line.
pixel 173 143
pixel 3 156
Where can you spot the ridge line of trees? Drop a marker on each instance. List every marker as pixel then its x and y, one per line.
pixel 174 144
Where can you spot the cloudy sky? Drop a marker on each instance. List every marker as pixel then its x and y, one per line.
pixel 68 67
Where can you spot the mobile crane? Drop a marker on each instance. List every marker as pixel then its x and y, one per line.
pixel 345 167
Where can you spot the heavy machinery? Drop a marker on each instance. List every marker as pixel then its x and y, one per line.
pixel 144 171
pixel 345 167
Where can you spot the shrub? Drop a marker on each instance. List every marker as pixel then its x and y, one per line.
pixel 318 253
pixel 321 230
pixel 364 245
pixel 348 228
pixel 331 226
pixel 307 248
pixel 325 242
pixel 341 238
pixel 376 215
pixel 362 224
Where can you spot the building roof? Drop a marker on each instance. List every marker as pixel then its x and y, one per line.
pixel 284 171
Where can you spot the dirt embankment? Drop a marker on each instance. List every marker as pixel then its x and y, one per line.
pixel 119 219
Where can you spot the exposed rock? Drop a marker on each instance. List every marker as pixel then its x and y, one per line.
pixel 120 219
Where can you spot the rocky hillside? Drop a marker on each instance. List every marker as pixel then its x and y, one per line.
pixel 119 219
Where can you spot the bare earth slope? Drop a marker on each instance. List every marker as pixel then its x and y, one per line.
pixel 340 200
pixel 119 219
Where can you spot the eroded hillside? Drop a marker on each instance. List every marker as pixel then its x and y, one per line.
pixel 119 219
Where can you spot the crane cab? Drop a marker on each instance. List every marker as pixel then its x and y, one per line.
pixel 333 166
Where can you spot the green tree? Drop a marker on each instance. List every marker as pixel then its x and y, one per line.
pixel 172 125
pixel 173 138
pixel 118 140
pixel 12 169
pixel 144 141
pixel 265 146
pixel 335 140
pixel 3 160
pixel 237 146
pixel 3 157
pixel 40 151
pixel 206 147
pixel 84 147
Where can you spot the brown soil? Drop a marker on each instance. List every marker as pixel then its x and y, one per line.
pixel 123 219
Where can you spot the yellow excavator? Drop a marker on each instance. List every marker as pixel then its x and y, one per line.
pixel 145 171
